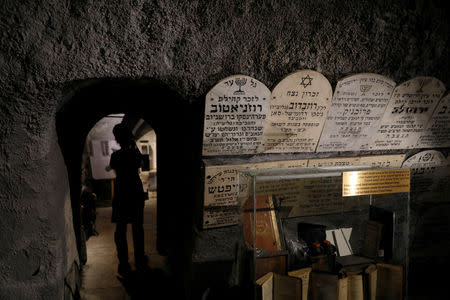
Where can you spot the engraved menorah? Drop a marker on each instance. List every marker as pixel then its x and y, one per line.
pixel 422 83
pixel 364 89
pixel 240 82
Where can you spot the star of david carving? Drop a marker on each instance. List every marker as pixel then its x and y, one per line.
pixel 306 81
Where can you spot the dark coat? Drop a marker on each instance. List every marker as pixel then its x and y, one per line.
pixel 129 197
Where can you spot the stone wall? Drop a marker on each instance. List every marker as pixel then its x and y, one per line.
pixel 50 48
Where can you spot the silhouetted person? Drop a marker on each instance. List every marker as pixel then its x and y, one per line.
pixel 129 197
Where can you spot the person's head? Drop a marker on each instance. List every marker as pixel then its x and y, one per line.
pixel 122 134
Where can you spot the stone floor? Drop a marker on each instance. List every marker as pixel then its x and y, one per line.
pixel 100 279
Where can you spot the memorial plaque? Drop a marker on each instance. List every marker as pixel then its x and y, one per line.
pixel 297 112
pixel 235 111
pixel 411 106
pixel 383 161
pixel 222 188
pixel 333 162
pixel 430 173
pixel 219 217
pixel 437 132
pixel 357 183
pixel 221 185
pixel 425 162
pixel 358 104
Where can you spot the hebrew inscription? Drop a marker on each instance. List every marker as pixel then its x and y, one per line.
pixel 297 112
pixel 437 132
pixel 383 161
pixel 235 111
pixel 358 104
pixel 424 162
pixel 376 161
pixel 333 162
pixel 411 106
pixel 430 181
pixel 220 216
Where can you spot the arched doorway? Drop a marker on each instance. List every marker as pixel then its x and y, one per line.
pixel 89 101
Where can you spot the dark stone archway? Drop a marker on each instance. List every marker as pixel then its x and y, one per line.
pixel 88 102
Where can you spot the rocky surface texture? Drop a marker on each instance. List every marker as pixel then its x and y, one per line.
pixel 50 50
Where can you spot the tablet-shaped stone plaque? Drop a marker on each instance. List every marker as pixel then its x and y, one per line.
pixel 235 111
pixel 222 188
pixel 425 162
pixel 297 112
pixel 430 176
pixel 411 106
pixel 437 132
pixel 359 102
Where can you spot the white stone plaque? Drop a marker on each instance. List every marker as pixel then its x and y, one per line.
pixel 221 185
pixel 358 104
pixel 425 162
pixel 430 176
pixel 219 217
pixel 411 106
pixel 297 112
pixel 437 132
pixel 235 111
